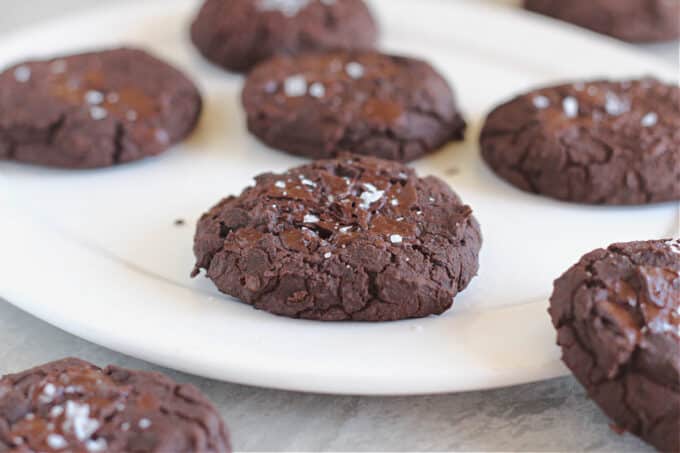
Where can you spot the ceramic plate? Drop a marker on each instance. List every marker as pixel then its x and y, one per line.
pixel 97 253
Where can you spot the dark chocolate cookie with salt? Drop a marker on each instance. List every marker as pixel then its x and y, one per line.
pixel 617 313
pixel 596 142
pixel 369 103
pixel 629 20
pixel 354 238
pixel 94 109
pixel 238 34
pixel 71 405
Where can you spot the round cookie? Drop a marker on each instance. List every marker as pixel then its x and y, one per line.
pixel 238 34
pixel 318 105
pixel 94 109
pixel 629 20
pixel 71 405
pixel 617 313
pixel 596 142
pixel 355 238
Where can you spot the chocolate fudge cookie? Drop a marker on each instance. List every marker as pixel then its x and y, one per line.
pixel 318 105
pixel 71 405
pixel 94 110
pixel 237 34
pixel 617 313
pixel 630 20
pixel 596 142
pixel 356 238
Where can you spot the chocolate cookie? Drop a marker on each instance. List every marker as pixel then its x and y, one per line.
pixel 596 142
pixel 630 20
pixel 356 238
pixel 318 105
pixel 71 405
pixel 94 110
pixel 617 312
pixel 238 34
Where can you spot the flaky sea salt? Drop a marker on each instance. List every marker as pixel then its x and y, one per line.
pixel 540 102
pixel 649 120
pixel 295 86
pixel 674 244
pixel 144 423
pixel 56 411
pixel 614 105
pixel 77 419
pixel 98 113
pixel 570 107
pixel 317 90
pixel 370 195
pixel 22 74
pixel 289 8
pixel 354 70
pixel 56 441
pixel 48 393
pixel 94 97
pixel 307 182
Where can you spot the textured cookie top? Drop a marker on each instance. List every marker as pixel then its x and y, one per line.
pixel 623 304
pixel 71 405
pixel 94 109
pixel 630 20
pixel 238 34
pixel 595 142
pixel 366 219
pixel 353 101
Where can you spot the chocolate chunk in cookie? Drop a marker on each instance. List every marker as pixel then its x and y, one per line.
pixel 94 110
pixel 355 238
pixel 318 105
pixel 238 34
pixel 617 313
pixel 590 142
pixel 71 405
pixel 630 20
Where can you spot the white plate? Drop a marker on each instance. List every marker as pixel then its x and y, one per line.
pixel 97 254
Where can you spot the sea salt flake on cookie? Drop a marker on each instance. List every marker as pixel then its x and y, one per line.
pixel 570 107
pixel 295 86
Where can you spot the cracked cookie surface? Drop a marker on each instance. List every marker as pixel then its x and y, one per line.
pixel 593 142
pixel 238 34
pixel 629 20
pixel 617 313
pixel 369 103
pixel 71 405
pixel 354 238
pixel 95 109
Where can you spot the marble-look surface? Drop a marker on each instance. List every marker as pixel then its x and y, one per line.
pixel 549 416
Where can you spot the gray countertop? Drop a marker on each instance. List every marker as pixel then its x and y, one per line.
pixel 548 416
